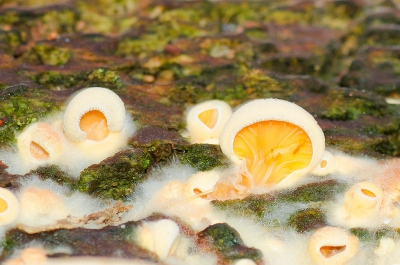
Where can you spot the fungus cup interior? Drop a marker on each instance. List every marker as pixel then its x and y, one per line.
pixel 94 124
pixel 272 150
pixel 3 205
pixel 209 117
pixel 368 193
pixel 330 251
pixel 38 152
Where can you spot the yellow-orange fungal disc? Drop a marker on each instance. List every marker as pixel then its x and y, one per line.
pixel 39 142
pixel 9 207
pixel 332 246
pixel 274 142
pixel 94 124
pixel 363 200
pixel 93 113
pixel 206 120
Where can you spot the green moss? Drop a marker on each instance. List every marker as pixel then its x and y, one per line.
pixel 256 206
pixel 10 40
pixel 104 78
pixel 54 173
pixel 313 192
pixel 55 80
pixel 20 106
pixel 374 235
pixel 117 176
pixel 143 47
pixel 284 17
pixel 228 241
pixel 307 219
pixel 263 86
pixel 348 104
pixel 50 55
pixel 203 157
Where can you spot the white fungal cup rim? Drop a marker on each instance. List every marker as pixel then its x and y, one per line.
pixel 277 110
pixel 93 98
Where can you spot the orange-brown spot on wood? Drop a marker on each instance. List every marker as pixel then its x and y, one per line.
pixel 94 124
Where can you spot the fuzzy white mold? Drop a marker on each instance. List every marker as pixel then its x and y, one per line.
pixel 332 245
pixel 9 207
pixel 157 236
pixel 206 120
pixel 39 143
pixel 363 200
pixel 98 101
pixel 291 118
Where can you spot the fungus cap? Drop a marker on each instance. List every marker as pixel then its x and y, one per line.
pixel 39 142
pixel 332 245
pixel 199 185
pixel 206 120
pixel 363 200
pixel 327 165
pixel 285 127
pixel 9 207
pixel 104 112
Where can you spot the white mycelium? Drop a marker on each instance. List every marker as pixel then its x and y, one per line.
pixel 9 207
pixel 332 246
pixel 206 120
pixel 275 142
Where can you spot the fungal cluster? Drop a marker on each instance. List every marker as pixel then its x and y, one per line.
pixel 274 147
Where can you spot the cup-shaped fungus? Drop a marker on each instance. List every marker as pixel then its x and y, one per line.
pixel 39 143
pixel 93 113
pixel 157 236
pixel 40 207
pixel 97 123
pixel 363 200
pixel 206 120
pixel 332 246
pixel 199 185
pixel 275 142
pixel 326 166
pixel 9 207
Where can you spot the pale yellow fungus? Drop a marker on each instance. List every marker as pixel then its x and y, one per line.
pixel 199 185
pixel 92 114
pixel 327 165
pixel 274 142
pixel 332 246
pixel 206 120
pixel 157 236
pixel 363 200
pixel 39 143
pixel 9 207
pixel 40 206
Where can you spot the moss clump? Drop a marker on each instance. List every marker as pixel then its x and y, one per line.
pixel 20 106
pixel 54 173
pixel 143 47
pixel 228 242
pixel 374 235
pixel 50 55
pixel 256 206
pixel 307 219
pixel 55 80
pixel 313 192
pixel 80 242
pixel 202 157
pixel 117 176
pixel 349 104
pixel 104 78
